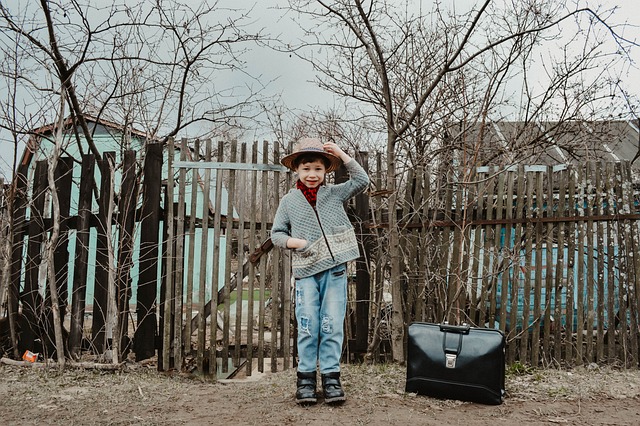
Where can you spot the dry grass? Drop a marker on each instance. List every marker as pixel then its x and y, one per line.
pixel 141 395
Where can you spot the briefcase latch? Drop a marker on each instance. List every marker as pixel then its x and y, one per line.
pixel 450 361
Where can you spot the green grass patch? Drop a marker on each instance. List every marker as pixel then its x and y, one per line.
pixel 245 296
pixel 519 369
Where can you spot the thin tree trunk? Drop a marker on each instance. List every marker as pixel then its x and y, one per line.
pixel 53 238
pixel 397 308
pixel 113 328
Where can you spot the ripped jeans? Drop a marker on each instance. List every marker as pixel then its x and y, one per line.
pixel 321 303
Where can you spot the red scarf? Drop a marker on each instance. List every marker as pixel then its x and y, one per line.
pixel 310 194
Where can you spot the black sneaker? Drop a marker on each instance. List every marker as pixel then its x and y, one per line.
pixel 306 393
pixel 333 392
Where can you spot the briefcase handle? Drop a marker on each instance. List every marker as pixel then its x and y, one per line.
pixel 462 329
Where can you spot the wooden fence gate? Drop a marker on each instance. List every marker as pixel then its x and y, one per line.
pixel 237 311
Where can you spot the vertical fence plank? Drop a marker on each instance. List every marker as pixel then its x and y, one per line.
pixel 498 263
pixel 536 322
pixel 590 281
pixel 630 296
pixel 468 214
pixel 98 324
pixel 275 284
pixel 253 191
pixel 169 295
pixel 611 264
pixel 144 338
pixel 456 304
pixel 484 270
pixel 514 335
pixel 169 261
pixel 241 185
pixel 437 278
pixel 193 215
pixel 528 267
pixel 475 265
pixel 161 297
pixel 229 239
pixel 18 206
pixel 570 212
pixel 548 311
pixel 627 275
pixel 447 289
pixel 557 285
pixel 126 224
pixel 5 234
pixel 31 298
pixel 287 285
pixel 363 278
pixel 264 211
pixel 204 259
pixel 215 274
pixel 411 243
pixel 64 179
pixel 179 343
pixel 378 307
pixel 80 266
pixel 581 199
pixel 601 253
pixel 506 250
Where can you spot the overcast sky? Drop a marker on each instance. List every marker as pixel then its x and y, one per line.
pixel 293 78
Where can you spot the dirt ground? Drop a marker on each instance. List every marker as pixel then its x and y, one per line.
pixel 141 395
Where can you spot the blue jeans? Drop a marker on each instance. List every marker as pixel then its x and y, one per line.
pixel 321 303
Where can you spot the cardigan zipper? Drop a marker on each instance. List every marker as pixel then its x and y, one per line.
pixel 323 234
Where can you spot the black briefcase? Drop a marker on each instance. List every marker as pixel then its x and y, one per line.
pixel 456 362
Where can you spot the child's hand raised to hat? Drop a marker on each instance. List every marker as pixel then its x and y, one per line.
pixel 333 148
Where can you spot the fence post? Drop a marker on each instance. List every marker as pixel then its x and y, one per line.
pixel 363 278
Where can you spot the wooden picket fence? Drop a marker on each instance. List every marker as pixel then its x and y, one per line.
pixel 28 302
pixel 548 255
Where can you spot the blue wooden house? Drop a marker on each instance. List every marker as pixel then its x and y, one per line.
pixel 112 137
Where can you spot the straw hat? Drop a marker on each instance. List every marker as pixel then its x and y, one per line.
pixel 310 146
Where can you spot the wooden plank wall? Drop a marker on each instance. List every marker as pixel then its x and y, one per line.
pixel 547 255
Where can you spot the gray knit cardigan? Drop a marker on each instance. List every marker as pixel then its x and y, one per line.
pixel 330 237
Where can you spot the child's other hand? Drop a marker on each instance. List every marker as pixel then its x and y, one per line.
pixel 333 148
pixel 296 243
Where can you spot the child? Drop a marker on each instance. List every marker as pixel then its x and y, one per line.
pixel 311 220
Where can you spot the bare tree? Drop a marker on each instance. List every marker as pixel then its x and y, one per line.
pixel 160 67
pixel 431 76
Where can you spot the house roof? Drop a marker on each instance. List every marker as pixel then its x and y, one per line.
pixel 552 143
pixel 39 133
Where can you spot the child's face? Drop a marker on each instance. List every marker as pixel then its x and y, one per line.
pixel 311 174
